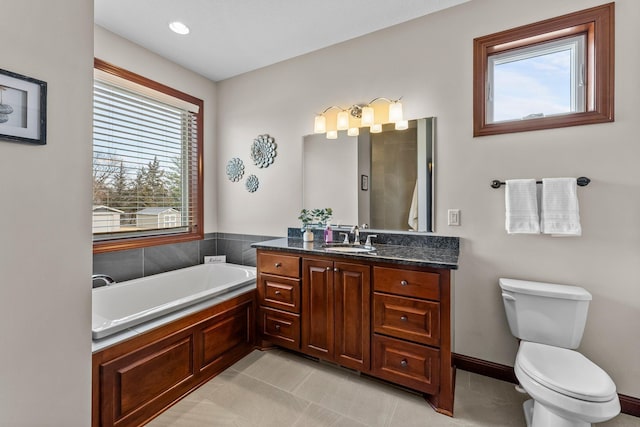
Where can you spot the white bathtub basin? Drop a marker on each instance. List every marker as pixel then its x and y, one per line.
pixel 126 304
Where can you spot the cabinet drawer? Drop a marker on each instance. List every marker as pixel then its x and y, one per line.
pixel 419 284
pixel 408 318
pixel 279 327
pixel 412 365
pixel 279 292
pixel 283 265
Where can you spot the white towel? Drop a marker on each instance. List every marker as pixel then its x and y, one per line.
pixel 413 209
pixel 559 214
pixel 521 203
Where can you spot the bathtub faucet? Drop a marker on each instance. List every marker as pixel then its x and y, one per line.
pixel 104 278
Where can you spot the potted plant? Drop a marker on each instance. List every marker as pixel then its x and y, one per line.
pixel 306 216
pixel 313 216
pixel 322 215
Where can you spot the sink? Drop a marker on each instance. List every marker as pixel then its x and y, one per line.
pixel 350 249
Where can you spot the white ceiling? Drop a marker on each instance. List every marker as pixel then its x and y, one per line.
pixel 231 37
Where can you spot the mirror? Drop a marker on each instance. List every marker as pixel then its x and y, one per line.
pixel 381 179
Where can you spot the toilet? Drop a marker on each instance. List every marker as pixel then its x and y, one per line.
pixel 567 389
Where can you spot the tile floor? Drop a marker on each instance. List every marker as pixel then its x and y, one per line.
pixel 281 389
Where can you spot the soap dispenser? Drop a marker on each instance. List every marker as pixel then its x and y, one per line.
pixel 328 234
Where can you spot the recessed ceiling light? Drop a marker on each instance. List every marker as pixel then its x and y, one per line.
pixel 179 28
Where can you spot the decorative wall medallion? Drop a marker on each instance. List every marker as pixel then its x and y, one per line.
pixel 263 150
pixel 235 169
pixel 252 183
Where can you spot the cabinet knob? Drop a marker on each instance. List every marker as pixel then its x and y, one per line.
pixel 277 292
pixel 277 327
pixel 278 264
pixel 403 318
pixel 328 268
pixel 404 363
pixel 404 283
pixel 336 269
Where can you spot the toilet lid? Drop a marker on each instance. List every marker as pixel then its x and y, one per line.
pixel 565 371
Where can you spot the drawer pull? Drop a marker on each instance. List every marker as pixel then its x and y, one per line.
pixel 277 327
pixel 404 363
pixel 404 318
pixel 277 292
pixel 278 264
pixel 404 283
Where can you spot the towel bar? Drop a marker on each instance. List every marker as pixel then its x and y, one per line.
pixel 582 182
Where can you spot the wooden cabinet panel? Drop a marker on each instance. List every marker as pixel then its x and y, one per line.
pixel 138 378
pixel 412 365
pixel 279 292
pixel 276 263
pixel 280 327
pixel 391 321
pixel 317 308
pixel 408 318
pixel 143 380
pixel 417 284
pixel 352 289
pixel 225 337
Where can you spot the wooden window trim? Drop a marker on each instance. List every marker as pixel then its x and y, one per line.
pixel 197 231
pixel 597 23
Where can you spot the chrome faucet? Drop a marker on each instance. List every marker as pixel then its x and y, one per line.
pixel 105 278
pixel 368 244
pixel 356 232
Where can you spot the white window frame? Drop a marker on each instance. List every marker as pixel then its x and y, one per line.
pixel 578 52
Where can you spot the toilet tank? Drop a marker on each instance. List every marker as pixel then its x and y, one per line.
pixel 545 313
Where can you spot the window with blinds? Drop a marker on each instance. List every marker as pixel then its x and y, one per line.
pixel 146 163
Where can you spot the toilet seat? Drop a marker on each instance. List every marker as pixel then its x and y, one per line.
pixel 565 371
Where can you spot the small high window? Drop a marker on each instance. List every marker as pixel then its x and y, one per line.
pixel 550 74
pixel 147 156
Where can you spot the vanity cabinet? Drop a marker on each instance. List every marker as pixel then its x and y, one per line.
pixel 336 299
pixel 278 284
pixel 388 320
pixel 412 331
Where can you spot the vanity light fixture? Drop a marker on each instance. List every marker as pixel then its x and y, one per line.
pixel 179 28
pixel 372 115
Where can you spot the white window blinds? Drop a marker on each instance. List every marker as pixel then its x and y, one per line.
pixel 145 165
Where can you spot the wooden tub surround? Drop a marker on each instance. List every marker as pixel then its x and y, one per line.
pixel 387 320
pixel 136 379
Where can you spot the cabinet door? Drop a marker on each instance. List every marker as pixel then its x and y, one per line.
pixel 352 289
pixel 142 383
pixel 317 308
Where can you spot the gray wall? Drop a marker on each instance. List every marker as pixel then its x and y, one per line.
pixel 45 260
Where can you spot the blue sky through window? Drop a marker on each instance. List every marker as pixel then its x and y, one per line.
pixel 532 85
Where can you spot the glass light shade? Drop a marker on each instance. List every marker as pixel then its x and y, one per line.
pixel 367 116
pixel 320 124
pixel 375 128
pixel 332 134
pixel 402 124
pixel 395 112
pixel 342 121
pixel 353 131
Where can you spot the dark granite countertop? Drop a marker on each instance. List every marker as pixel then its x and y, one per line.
pixel 438 253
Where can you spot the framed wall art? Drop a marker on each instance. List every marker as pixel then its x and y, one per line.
pixel 23 109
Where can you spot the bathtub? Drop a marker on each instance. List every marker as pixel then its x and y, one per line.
pixel 123 305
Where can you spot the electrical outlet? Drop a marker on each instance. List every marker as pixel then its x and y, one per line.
pixel 215 259
pixel 453 217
